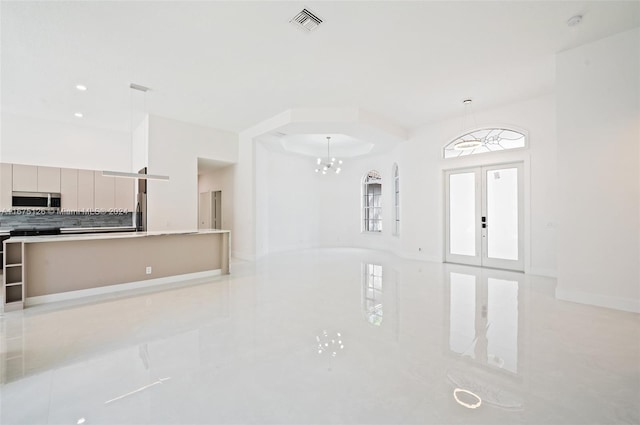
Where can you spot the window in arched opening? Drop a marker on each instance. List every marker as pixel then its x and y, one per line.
pixel 396 201
pixel 372 202
pixel 483 141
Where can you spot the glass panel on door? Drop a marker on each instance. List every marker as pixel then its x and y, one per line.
pixel 484 216
pixel 462 214
pixel 502 207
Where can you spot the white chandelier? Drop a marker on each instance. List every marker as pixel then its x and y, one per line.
pixel 330 164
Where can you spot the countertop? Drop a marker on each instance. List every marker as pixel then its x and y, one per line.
pixel 76 230
pixel 103 235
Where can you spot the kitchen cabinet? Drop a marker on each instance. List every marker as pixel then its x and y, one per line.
pixel 125 194
pixel 80 189
pixel 69 189
pixel 6 186
pixel 25 178
pixel 55 266
pixel 13 276
pixel 2 239
pixel 31 178
pixel 48 179
pixel 85 189
pixel 105 191
pixel 94 191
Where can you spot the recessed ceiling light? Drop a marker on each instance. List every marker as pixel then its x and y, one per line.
pixel 79 114
pixel 81 87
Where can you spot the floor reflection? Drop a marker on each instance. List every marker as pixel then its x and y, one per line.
pixel 484 320
pixel 12 348
pixel 330 343
pixel 372 293
pixel 379 295
pixel 485 333
pixel 325 336
pixel 86 327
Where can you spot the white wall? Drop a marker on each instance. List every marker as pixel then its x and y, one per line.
pixel 341 204
pixel 253 190
pixel 250 202
pixel 140 146
pixel 243 241
pixel 422 159
pixel 27 140
pixel 293 200
pixel 263 209
pixel 599 172
pixel 421 188
pixel 174 148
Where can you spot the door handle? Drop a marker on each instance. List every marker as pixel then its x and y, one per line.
pixel 484 222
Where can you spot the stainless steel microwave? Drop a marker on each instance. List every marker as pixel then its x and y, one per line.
pixel 36 201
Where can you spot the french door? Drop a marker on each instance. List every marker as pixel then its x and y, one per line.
pixel 485 216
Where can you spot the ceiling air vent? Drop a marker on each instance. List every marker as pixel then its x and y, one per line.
pixel 306 20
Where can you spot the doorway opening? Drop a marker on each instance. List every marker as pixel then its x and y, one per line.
pixel 210 210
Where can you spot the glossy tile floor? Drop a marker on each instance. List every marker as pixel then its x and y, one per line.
pixel 325 336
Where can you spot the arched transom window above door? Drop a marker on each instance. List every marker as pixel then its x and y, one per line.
pixel 483 141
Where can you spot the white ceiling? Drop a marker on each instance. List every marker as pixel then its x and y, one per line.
pixel 340 145
pixel 230 65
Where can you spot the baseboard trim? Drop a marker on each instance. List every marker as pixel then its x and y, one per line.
pixel 616 303
pixel 242 256
pixel 418 257
pixel 82 293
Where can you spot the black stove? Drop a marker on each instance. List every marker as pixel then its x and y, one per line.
pixel 33 231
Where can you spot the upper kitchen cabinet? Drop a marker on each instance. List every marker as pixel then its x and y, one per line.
pixel 25 178
pixel 6 186
pixel 30 178
pixel 81 190
pixel 125 194
pixel 69 188
pixel 85 189
pixel 49 179
pixel 105 191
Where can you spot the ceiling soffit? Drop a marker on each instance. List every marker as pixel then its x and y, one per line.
pixel 353 131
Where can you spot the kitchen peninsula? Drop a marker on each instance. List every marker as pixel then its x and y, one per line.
pixel 41 269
